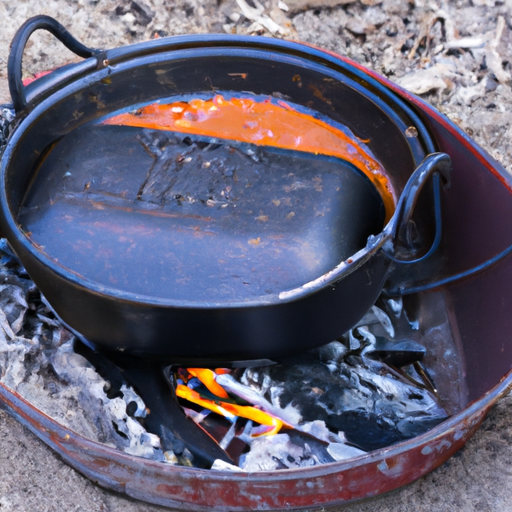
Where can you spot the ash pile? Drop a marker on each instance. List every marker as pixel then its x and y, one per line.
pixel 365 391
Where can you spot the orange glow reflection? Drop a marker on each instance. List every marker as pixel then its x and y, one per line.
pixel 263 123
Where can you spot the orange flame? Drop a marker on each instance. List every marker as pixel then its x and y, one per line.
pixel 230 411
pixel 207 377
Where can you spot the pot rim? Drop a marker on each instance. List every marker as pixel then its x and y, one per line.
pixel 51 88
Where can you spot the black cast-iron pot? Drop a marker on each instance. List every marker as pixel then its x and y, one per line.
pixel 220 331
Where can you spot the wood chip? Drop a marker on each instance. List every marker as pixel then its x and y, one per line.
pixel 437 77
pixel 296 6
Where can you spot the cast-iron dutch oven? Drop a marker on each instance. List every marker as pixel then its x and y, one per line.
pixel 217 331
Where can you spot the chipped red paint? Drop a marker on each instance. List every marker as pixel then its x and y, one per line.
pixel 194 489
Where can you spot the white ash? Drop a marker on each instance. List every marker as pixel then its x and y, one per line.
pixel 38 362
pixel 269 453
pixel 130 396
pixel 318 429
pixel 360 338
pixel 220 465
pixel 294 449
pixel 341 451
pixel 377 316
pixel 81 375
pixel 230 434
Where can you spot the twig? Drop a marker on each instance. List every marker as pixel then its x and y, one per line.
pixel 424 34
pixel 257 15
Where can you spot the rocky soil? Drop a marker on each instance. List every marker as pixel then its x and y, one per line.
pixel 456 54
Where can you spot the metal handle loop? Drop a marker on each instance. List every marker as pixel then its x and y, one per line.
pixel 14 64
pixel 438 167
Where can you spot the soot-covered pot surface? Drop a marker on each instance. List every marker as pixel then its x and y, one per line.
pixel 277 318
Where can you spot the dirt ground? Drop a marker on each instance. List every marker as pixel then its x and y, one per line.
pixel 457 55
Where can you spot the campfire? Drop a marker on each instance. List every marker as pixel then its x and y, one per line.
pixel 447 351
pixel 365 391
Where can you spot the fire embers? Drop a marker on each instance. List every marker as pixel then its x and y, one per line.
pixel 257 438
pixel 334 403
pixel 360 393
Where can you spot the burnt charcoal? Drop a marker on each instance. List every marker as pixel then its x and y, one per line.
pixel 364 399
pixel 334 351
pixel 316 448
pixel 412 427
pixel 131 408
pixel 396 353
pixel 365 430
